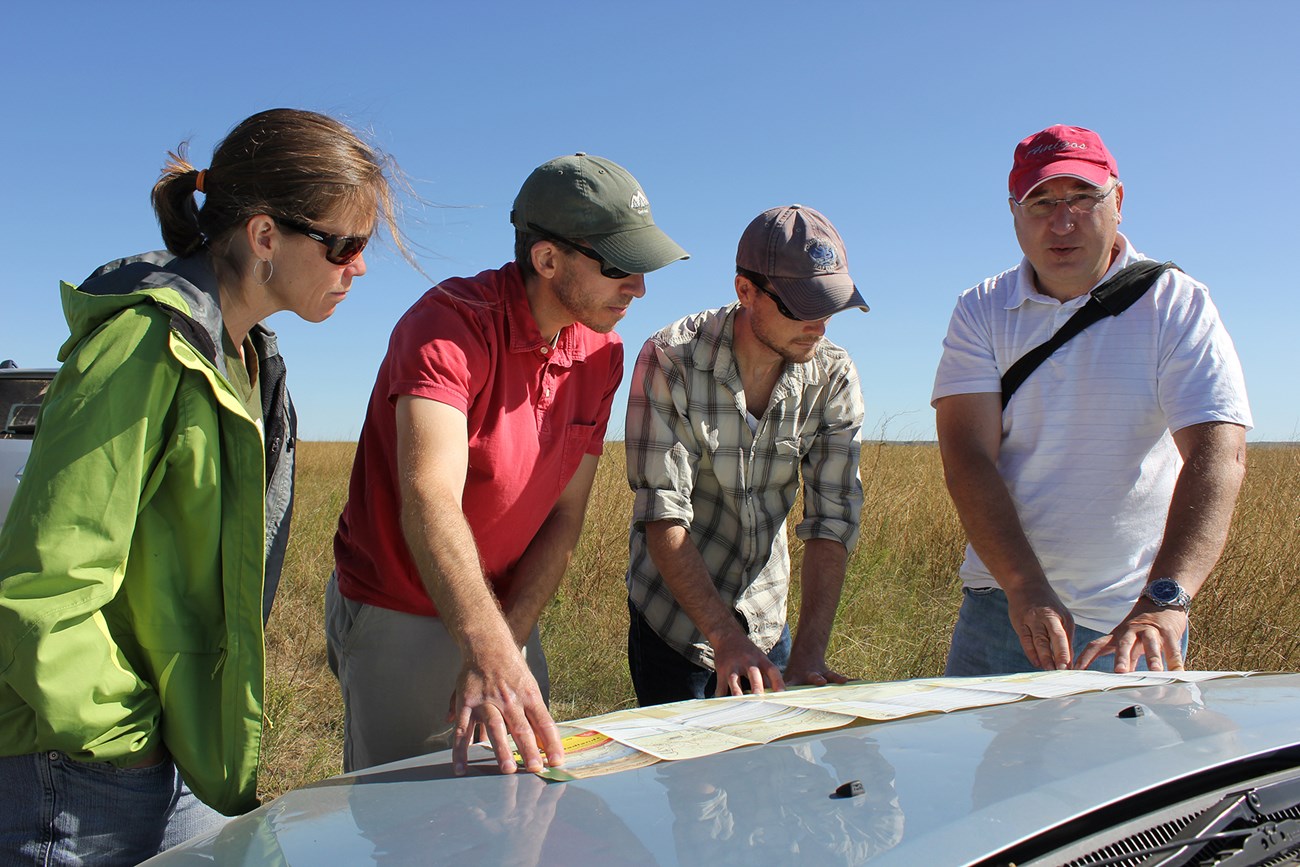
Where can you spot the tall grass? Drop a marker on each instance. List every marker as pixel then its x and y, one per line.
pixel 1248 615
pixel 303 736
pixel 900 597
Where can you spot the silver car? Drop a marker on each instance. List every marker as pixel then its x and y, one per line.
pixel 1178 773
pixel 21 392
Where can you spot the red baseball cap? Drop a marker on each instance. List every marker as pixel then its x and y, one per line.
pixel 1060 150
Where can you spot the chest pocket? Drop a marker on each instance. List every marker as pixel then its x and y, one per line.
pixel 788 447
pixel 786 453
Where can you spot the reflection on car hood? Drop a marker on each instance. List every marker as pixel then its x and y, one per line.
pixel 936 790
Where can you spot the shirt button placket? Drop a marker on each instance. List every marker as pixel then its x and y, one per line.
pixel 545 389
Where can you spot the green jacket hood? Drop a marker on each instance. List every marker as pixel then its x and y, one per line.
pixel 185 288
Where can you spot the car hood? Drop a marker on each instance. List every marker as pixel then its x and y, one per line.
pixel 940 789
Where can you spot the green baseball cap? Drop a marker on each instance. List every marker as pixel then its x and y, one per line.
pixel 597 200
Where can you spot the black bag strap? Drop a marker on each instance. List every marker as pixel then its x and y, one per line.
pixel 1109 299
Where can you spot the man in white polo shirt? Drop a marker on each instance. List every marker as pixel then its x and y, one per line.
pixel 1097 502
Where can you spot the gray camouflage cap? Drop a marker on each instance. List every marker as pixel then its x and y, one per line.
pixel 802 256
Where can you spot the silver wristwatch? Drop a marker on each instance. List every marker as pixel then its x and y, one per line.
pixel 1167 593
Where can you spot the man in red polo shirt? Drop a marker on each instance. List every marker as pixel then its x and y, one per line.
pixel 472 475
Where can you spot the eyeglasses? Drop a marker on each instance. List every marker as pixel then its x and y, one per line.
pixel 339 249
pixel 759 284
pixel 606 270
pixel 1079 203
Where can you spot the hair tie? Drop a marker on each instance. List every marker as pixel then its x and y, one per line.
pixel 198 182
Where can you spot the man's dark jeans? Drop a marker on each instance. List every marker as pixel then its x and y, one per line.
pixel 662 675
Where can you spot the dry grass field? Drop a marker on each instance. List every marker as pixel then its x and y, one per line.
pixel 900 598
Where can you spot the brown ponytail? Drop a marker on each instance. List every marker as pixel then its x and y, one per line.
pixel 290 163
pixel 173 202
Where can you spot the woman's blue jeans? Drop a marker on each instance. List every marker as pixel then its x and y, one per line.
pixel 56 811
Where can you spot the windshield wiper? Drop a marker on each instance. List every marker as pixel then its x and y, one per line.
pixel 1263 838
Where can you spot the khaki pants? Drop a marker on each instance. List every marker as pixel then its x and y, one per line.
pixel 397 673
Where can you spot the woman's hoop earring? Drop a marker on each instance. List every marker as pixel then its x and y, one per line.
pixel 270 269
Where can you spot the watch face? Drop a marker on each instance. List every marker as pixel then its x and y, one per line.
pixel 1164 591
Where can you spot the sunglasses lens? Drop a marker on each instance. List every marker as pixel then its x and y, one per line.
pixel 343 250
pixel 614 273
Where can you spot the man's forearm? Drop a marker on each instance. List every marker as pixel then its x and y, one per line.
pixel 443 547
pixel 821 581
pixel 495 691
pixel 538 573
pixel 684 571
pixel 736 659
pixel 992 525
pixel 432 457
pixel 970 439
pixel 1200 513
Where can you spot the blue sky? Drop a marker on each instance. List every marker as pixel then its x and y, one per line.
pixel 896 120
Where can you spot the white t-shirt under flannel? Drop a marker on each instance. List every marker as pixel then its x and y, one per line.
pixel 693 459
pixel 1086 446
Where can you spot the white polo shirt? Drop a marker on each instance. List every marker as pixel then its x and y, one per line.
pixel 1086 446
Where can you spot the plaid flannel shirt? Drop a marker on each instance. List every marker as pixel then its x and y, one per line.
pixel 693 459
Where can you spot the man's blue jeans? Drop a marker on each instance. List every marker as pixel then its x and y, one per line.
pixel 661 675
pixel 56 811
pixel 983 641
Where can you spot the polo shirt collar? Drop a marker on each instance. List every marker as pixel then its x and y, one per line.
pixel 1025 291
pixel 526 337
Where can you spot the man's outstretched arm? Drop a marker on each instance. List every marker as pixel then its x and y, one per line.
pixel 821 581
pixel 495 688
pixel 1200 513
pixel 684 571
pixel 970 438
pixel 537 574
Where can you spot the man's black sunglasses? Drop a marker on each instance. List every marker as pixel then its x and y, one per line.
pixel 339 249
pixel 761 285
pixel 606 270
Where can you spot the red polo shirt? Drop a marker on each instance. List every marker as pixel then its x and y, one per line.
pixel 533 412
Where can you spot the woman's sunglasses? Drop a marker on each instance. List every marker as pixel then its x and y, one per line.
pixel 339 249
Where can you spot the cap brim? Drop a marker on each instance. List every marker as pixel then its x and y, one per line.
pixel 638 251
pixel 812 298
pixel 1089 173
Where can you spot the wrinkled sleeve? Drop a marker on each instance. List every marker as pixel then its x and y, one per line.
pixel 441 350
pixel 832 487
pixel 968 364
pixel 1199 376
pixel 662 451
pixel 64 547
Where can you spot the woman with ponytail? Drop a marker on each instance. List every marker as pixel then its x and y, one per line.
pixel 141 554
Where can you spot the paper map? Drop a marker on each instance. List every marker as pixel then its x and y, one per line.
pixel 634 738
